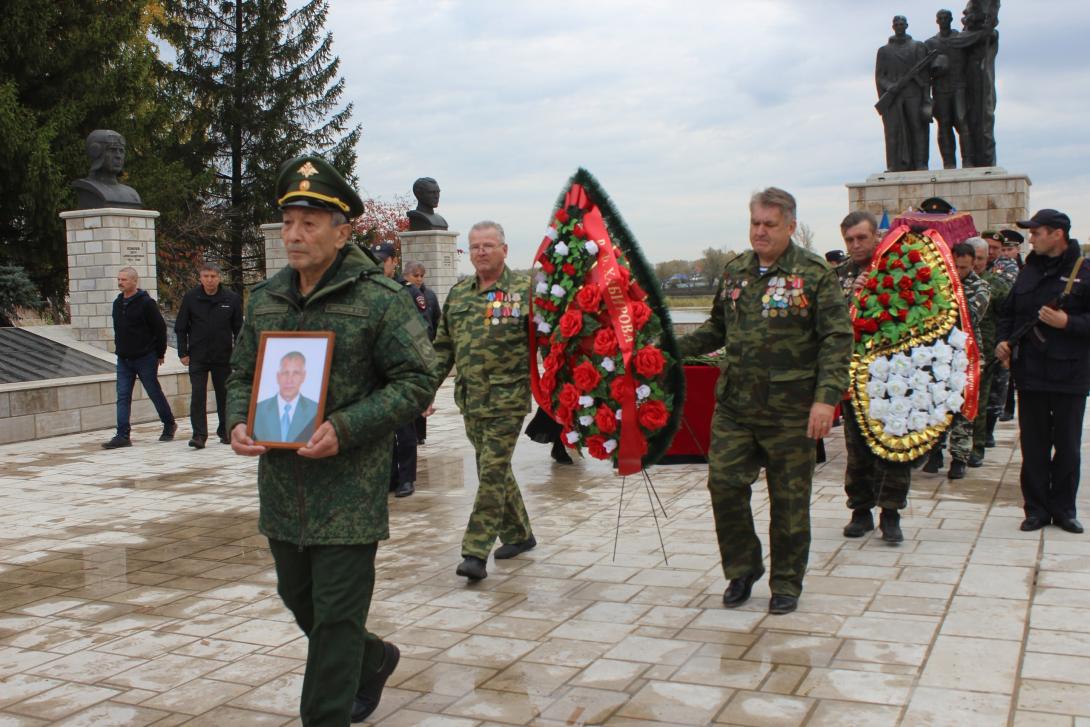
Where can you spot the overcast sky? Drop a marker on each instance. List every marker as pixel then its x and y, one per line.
pixel 681 109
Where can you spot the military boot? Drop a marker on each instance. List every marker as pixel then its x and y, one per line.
pixel 934 461
pixel 861 524
pixel 890 523
pixel 957 470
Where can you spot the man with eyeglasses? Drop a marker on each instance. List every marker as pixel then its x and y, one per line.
pixel 483 331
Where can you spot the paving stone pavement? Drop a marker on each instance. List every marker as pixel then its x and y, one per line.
pixel 135 590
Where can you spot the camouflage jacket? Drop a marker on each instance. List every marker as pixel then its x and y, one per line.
pixel 484 334
pixel 381 376
pixel 846 273
pixel 977 294
pixel 999 286
pixel 787 335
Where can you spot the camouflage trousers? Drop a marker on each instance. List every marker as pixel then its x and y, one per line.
pixel 870 480
pixel 737 453
pixel 962 429
pixel 988 382
pixel 498 510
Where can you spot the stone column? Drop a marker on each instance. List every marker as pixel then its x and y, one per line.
pixel 101 242
pixel 275 257
pixel 437 250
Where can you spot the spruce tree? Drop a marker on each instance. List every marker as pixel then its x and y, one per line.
pixel 263 86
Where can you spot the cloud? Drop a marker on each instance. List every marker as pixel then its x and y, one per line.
pixel 681 110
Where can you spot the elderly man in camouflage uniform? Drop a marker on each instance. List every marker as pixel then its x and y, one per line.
pixel 323 507
pixel 976 294
pixel 869 480
pixel 483 331
pixel 780 314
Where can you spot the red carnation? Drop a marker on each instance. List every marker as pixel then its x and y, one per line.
pixel 896 249
pixel 562 216
pixel 605 419
pixel 589 297
pixel 548 383
pixel 914 256
pixel 596 446
pixel 882 263
pixel 649 361
pixel 885 317
pixel 927 304
pixel 585 376
pixel 887 282
pixel 562 415
pixel 862 301
pixel 653 415
pixel 906 283
pixel 605 342
pixel 568 269
pixel 871 284
pixel 571 323
pixel 908 296
pixel 641 313
pixel 923 275
pixel 871 326
pixel 883 300
pixel 569 396
pixel 547 266
pixel 903 314
pixel 622 388
pixel 896 264
pixel 858 335
pixel 859 323
pixel 578 231
pixel 636 292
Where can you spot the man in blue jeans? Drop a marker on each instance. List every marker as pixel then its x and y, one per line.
pixel 140 341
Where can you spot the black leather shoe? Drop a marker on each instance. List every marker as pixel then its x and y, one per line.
pixel 934 462
pixel 117 442
pixel 369 694
pixel 197 443
pixel 890 523
pixel 472 568
pixel 957 470
pixel 405 489
pixel 990 441
pixel 168 432
pixel 782 604
pixel 976 460
pixel 510 550
pixel 1032 523
pixel 225 440
pixel 861 524
pixel 1070 524
pixel 738 589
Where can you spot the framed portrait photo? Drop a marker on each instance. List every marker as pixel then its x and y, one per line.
pixel 290 384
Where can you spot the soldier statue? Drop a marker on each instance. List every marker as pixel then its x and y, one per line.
pixel 904 99
pixel 949 96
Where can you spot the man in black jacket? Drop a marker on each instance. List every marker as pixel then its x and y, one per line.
pixel 414 274
pixel 140 341
pixel 208 322
pixel 1044 336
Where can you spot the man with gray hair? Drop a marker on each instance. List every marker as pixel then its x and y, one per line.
pixel 484 332
pixel 140 342
pixel 209 319
pixel 780 316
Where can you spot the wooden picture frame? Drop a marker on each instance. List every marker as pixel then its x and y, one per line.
pixel 287 362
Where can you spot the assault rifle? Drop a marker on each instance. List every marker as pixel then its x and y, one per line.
pixel 886 99
pixel 1030 326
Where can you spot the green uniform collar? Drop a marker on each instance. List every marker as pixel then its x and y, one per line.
pixel 786 262
pixel 349 265
pixel 504 282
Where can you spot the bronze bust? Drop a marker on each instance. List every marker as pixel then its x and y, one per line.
pixel 100 187
pixel 426 191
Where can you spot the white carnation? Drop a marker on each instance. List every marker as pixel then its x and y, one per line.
pixel 921 380
pixel 957 382
pixel 955 401
pixel 540 277
pixel 921 356
pixel 879 409
pixel 642 392
pixel 586 421
pixel 879 368
pixel 897 426
pixel 921 399
pixel 917 421
pixel 550 232
pixel 896 386
pixel 957 338
pixel 941 352
pixel 609 445
pixel 544 327
pixel 558 291
pixel 901 365
pixel 618 414
pixel 542 287
pixel 941 372
pixel 939 394
pixel 876 389
pixel 937 417
pixel 592 248
pixel 960 361
pixel 572 437
pixel 899 408
pixel 585 401
pixel 608 364
pixel 560 249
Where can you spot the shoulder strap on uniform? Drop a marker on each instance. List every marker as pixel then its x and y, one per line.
pixel 1074 274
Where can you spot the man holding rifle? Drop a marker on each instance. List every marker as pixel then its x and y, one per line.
pixel 1044 337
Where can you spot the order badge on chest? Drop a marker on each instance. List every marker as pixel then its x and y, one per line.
pixel 784 297
pixel 502 308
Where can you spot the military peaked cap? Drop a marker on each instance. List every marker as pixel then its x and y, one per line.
pixel 936 205
pixel 310 181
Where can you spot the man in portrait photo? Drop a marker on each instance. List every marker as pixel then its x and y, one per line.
pixel 289 416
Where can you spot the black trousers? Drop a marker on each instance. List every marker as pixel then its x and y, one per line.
pixel 421 425
pixel 1050 427
pixel 198 382
pixel 404 466
pixel 328 589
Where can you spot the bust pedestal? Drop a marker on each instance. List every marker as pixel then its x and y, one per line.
pixel 437 251
pixel 101 242
pixel 995 197
pixel 275 255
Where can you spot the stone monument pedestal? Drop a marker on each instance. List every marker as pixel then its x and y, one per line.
pixel 101 242
pixel 995 197
pixel 437 250
pixel 275 256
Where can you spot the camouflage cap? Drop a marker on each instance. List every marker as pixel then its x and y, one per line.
pixel 310 181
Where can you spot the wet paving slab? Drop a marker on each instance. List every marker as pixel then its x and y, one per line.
pixel 136 590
